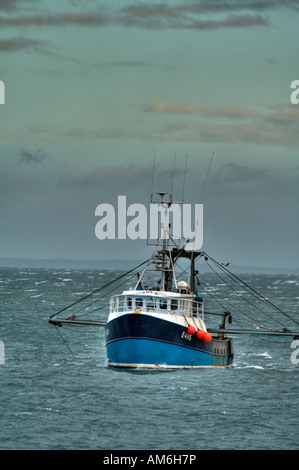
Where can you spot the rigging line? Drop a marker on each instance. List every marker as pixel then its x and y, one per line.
pixel 172 267
pixel 231 305
pixel 173 175
pixel 97 300
pixel 153 174
pixel 248 301
pixel 215 300
pixel 253 290
pixel 148 262
pixel 223 306
pixel 262 311
pixel 206 180
pixel 172 239
pixel 105 295
pixel 239 281
pixel 183 271
pixel 65 343
pixel 244 287
pixel 98 289
pixel 184 178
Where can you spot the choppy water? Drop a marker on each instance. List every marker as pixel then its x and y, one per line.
pixel 54 399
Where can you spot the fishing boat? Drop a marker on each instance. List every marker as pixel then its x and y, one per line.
pixel 163 323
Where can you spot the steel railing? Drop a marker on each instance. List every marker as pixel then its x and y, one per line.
pixel 145 304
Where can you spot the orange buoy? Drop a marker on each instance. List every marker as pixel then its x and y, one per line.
pixel 200 334
pixel 207 337
pixel 191 330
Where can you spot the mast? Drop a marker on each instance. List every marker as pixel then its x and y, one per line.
pixel 162 256
pixel 165 238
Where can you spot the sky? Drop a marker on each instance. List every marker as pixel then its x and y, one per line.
pixel 94 89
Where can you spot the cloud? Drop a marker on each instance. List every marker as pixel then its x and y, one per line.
pixel 191 109
pixel 232 173
pixel 124 63
pixel 19 43
pixel 12 5
pixel 253 133
pixel 183 15
pixel 30 157
pixel 58 19
pixel 278 114
pixel 279 128
pixel 156 16
pixel 278 125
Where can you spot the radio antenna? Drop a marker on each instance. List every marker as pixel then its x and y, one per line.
pixel 172 175
pixel 153 174
pixel 205 183
pixel 184 178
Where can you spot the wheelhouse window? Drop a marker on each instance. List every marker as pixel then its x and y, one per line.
pixel 174 304
pixel 150 303
pixel 129 303
pixel 163 304
pixel 138 302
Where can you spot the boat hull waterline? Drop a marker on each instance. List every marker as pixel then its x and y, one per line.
pixel 140 341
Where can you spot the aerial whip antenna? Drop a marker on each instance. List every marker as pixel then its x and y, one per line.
pixel 184 178
pixel 172 176
pixel 207 176
pixel 153 174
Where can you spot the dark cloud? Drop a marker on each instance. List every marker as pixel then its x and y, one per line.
pixel 184 15
pixel 254 132
pixel 192 123
pixel 232 173
pixel 277 126
pixel 235 5
pixel 19 43
pixel 124 63
pixel 156 16
pixel 12 5
pixel 30 157
pixel 193 109
pixel 280 113
pixel 82 19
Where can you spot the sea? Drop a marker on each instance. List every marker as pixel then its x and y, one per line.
pixel 57 392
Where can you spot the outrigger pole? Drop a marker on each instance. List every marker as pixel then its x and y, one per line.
pixel 177 253
pixel 71 319
pixel 287 333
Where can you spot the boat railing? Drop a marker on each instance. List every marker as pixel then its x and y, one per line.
pixel 146 304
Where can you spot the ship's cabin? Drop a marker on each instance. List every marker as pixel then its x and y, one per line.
pixel 152 301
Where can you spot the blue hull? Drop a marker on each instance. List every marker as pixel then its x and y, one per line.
pixel 144 353
pixel 142 341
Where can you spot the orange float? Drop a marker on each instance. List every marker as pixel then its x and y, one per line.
pixel 207 337
pixel 200 334
pixel 191 330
